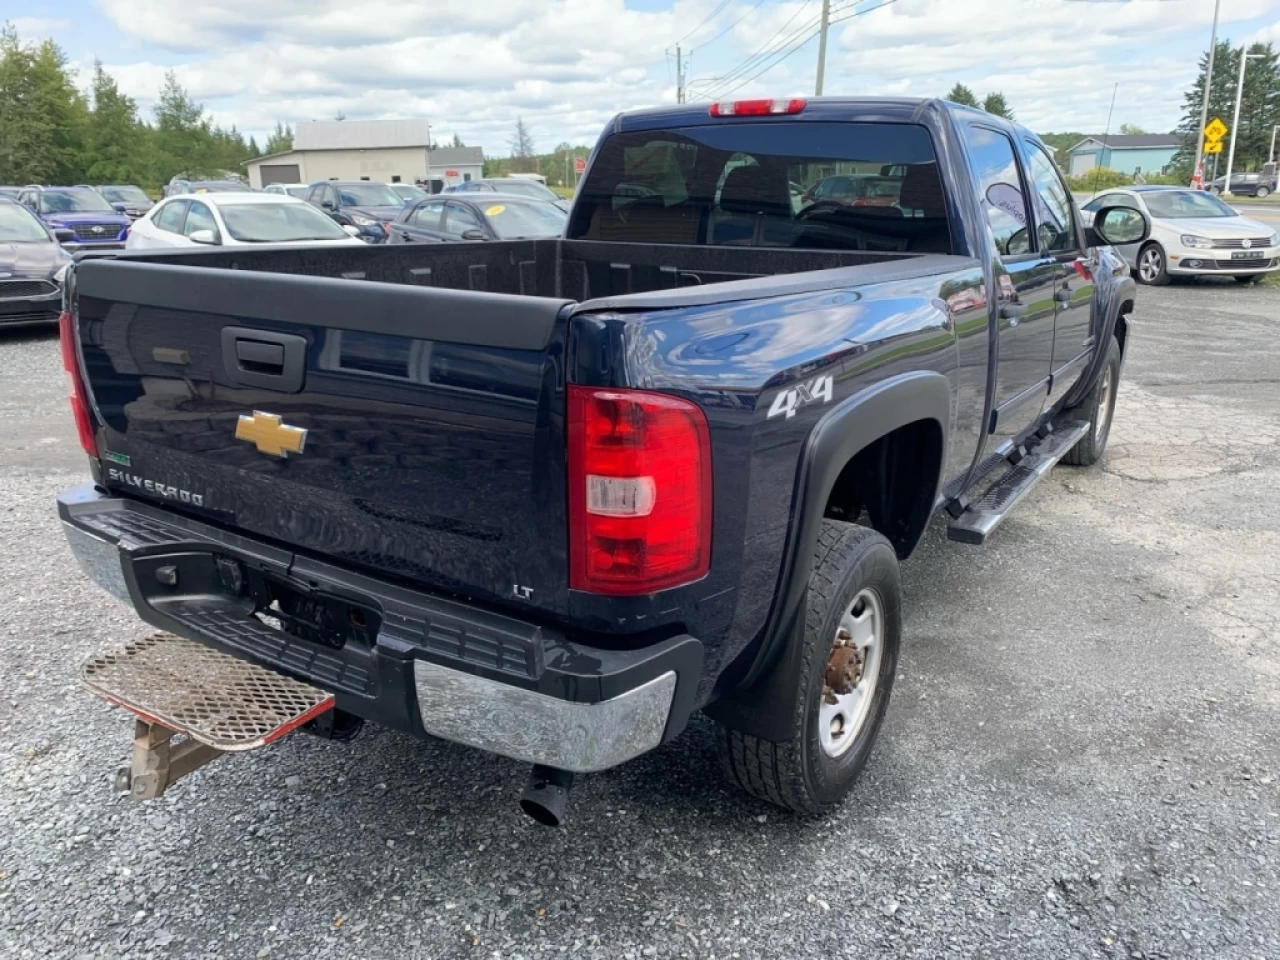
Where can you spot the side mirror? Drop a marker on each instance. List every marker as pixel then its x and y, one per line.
pixel 1117 226
pixel 474 234
pixel 327 204
pixel 203 236
pixel 351 229
pixel 119 207
pixel 63 235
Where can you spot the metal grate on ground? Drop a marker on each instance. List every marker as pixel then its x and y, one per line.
pixel 214 698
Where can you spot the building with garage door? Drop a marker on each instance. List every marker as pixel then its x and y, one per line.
pixel 391 151
pixel 1127 153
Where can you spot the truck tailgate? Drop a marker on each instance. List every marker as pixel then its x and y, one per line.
pixel 415 431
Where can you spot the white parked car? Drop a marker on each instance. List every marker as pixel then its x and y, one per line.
pixel 298 190
pixel 1193 233
pixel 236 219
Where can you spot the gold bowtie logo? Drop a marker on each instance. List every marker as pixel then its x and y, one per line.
pixel 269 435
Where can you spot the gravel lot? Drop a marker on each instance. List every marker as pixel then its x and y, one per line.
pixel 1081 759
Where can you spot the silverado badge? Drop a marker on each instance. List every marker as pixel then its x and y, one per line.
pixel 269 435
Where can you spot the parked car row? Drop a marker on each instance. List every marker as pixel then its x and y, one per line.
pixel 32 265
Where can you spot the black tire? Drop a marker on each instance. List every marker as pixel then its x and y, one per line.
pixel 1160 276
pixel 1099 402
pixel 1263 192
pixel 1250 278
pixel 798 774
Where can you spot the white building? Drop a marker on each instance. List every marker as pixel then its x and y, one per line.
pixel 391 151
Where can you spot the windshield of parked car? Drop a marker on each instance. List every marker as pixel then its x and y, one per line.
pixel 1185 204
pixel 125 195
pixel 408 192
pixel 73 201
pixel 17 225
pixel 513 219
pixel 730 184
pixel 368 195
pixel 526 188
pixel 278 222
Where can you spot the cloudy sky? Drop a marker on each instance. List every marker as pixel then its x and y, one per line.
pixel 567 65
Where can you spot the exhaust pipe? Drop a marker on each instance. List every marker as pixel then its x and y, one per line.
pixel 546 795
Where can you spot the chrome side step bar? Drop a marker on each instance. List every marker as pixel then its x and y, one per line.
pixel 983 516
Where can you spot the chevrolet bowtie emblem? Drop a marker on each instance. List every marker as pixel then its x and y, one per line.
pixel 269 435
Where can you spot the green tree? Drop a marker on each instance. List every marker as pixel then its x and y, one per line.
pixel 995 103
pixel 253 148
pixel 962 95
pixel 281 139
pixel 1259 105
pixel 1131 130
pixel 457 141
pixel 42 115
pixel 181 133
pixel 523 159
pixel 116 143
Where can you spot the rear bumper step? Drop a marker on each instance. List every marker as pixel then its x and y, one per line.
pixel 422 664
pixel 983 516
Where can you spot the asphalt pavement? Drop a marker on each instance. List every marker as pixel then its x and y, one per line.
pixel 1081 758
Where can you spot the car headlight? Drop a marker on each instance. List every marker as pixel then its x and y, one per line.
pixel 1189 240
pixel 61 275
pixel 1274 241
pixel 364 221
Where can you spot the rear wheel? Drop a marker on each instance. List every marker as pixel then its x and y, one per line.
pixel 853 626
pixel 1263 192
pixel 1151 266
pixel 1099 406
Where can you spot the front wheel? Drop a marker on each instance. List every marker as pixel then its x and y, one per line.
pixel 1152 269
pixel 853 628
pixel 1098 407
pixel 1249 277
pixel 1263 192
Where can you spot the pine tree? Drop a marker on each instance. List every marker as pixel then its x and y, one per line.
pixel 42 115
pixel 962 95
pixel 281 139
pixel 1259 106
pixel 995 104
pixel 523 159
pixel 114 145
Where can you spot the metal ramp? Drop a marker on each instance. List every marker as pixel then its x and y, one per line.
pixel 981 518
pixel 217 703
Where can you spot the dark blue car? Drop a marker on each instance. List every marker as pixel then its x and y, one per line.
pixel 85 212
pixel 364 204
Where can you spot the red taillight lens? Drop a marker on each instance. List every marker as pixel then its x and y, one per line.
pixel 757 108
pixel 639 491
pixel 75 384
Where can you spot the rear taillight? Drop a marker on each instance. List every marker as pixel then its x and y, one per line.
pixel 75 384
pixel 639 491
pixel 757 108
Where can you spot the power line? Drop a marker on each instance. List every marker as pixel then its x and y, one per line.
pixel 768 48
pixel 802 43
pixel 720 6
pixel 730 26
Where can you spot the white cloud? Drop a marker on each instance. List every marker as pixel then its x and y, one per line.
pixel 29 27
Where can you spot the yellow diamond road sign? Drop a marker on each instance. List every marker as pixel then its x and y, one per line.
pixel 1216 130
pixel 1213 146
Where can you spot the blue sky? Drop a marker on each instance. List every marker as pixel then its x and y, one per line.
pixel 567 65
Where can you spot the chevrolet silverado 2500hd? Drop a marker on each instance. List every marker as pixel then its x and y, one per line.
pixel 551 497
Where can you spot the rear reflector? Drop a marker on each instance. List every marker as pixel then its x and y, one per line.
pixel 75 384
pixel 639 491
pixel 757 108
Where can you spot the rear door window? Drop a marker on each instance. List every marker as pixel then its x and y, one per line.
pixel 801 184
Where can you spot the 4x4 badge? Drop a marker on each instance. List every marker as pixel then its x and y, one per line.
pixel 269 435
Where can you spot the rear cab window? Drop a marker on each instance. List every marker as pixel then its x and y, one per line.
pixel 793 183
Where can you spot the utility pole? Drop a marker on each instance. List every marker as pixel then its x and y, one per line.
pixel 429 190
pixel 679 76
pixel 822 47
pixel 1245 57
pixel 1208 82
pixel 1271 154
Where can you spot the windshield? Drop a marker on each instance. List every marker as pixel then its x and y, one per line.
pixel 125 195
pixel 219 186
pixel 1185 204
pixel 73 201
pixel 512 219
pixel 866 186
pixel 527 188
pixel 299 191
pixel 368 195
pixel 408 192
pixel 278 222
pixel 17 225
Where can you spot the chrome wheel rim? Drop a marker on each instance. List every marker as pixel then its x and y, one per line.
pixel 1149 265
pixel 1102 419
pixel 853 670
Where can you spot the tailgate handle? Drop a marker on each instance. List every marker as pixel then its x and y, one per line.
pixel 264 358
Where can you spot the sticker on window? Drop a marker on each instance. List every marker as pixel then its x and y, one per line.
pixel 496 209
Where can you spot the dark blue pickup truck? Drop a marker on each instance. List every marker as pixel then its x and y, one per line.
pixel 551 497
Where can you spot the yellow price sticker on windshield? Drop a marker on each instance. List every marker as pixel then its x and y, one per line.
pixel 496 209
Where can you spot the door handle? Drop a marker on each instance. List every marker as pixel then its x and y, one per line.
pixel 264 358
pixel 1013 311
